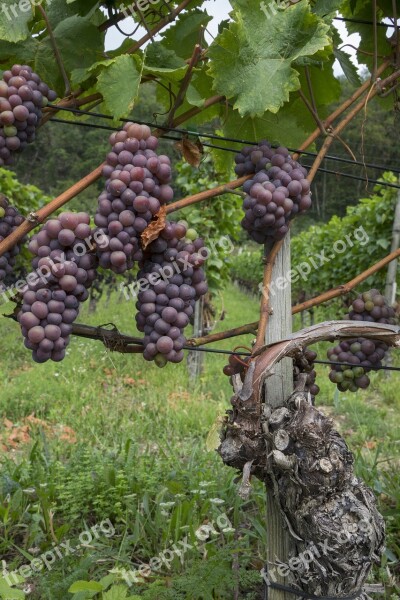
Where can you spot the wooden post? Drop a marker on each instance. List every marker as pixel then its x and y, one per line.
pixel 196 359
pixel 390 288
pixel 278 388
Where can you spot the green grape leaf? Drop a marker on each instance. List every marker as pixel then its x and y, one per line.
pixel 14 21
pixel 184 33
pixel 85 586
pixel 119 84
pixel 366 46
pixel 349 68
pixel 290 127
pixel 200 88
pixel 158 55
pixel 326 87
pixel 80 44
pixel 166 75
pixel 252 60
pixel 9 593
pixel 324 8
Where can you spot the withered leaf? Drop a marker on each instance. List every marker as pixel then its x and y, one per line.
pixel 154 228
pixel 192 151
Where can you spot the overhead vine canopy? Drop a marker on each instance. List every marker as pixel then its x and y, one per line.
pixel 268 73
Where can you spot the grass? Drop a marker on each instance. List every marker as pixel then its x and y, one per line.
pixel 108 437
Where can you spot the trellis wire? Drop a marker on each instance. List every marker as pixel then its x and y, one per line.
pixel 211 136
pixel 224 148
pixel 317 362
pixel 363 22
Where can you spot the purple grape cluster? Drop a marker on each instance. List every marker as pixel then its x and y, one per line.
pixel 173 279
pixel 22 96
pixel 278 191
pixel 10 219
pixel 364 354
pixel 65 267
pixel 236 366
pixel 137 186
pixel 304 364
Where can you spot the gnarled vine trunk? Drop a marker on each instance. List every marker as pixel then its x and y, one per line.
pixel 330 514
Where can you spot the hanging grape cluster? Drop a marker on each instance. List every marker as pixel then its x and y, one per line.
pixel 172 280
pixel 304 373
pixel 237 365
pixel 278 191
pixel 65 267
pixel 22 97
pixel 361 354
pixel 137 186
pixel 10 219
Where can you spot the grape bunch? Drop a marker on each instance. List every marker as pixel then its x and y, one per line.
pixel 237 365
pixel 137 186
pixel 22 96
pixel 361 354
pixel 10 219
pixel 302 365
pixel 172 279
pixel 64 269
pixel 278 191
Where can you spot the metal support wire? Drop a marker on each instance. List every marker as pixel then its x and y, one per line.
pixel 206 145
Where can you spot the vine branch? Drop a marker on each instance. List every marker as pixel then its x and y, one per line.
pixel 166 21
pixel 335 292
pixel 185 84
pixel 56 50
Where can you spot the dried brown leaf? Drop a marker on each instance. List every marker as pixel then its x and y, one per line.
pixel 154 229
pixel 192 152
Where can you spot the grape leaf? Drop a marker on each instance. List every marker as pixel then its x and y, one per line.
pixel 119 84
pixel 349 68
pixel 14 21
pixel 200 88
pixel 252 60
pixel 326 7
pixel 158 55
pixel 290 127
pixel 326 87
pixel 184 33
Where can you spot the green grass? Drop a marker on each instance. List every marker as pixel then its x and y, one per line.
pixel 114 437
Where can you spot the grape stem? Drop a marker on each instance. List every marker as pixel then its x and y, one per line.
pixel 56 50
pixel 336 292
pixel 342 108
pixel 185 84
pixel 166 21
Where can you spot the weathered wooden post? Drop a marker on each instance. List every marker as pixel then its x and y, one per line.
pixel 278 389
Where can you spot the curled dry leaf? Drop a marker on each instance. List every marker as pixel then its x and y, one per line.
pixel 154 229
pixel 192 152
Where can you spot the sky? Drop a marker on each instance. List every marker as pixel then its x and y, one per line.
pixel 220 10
